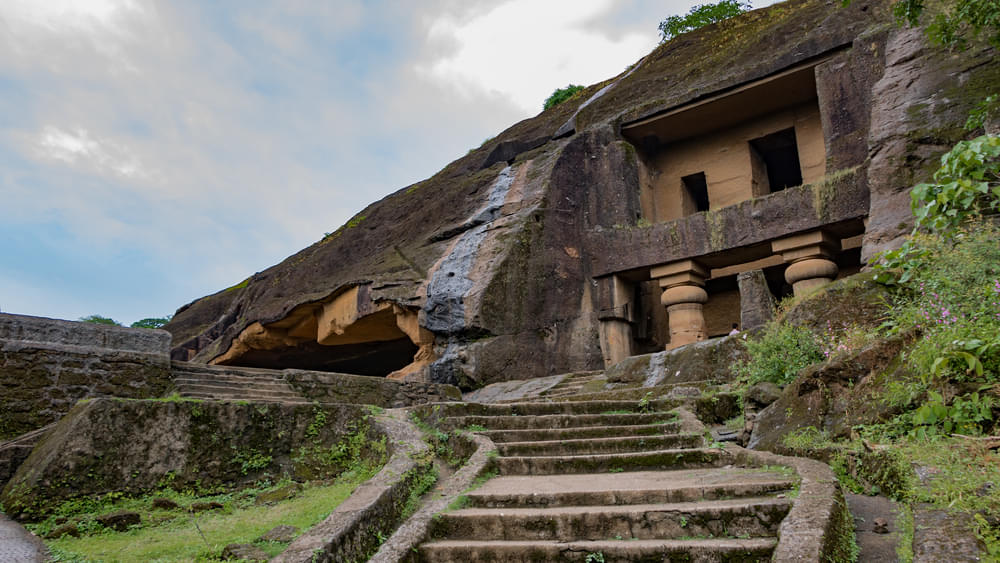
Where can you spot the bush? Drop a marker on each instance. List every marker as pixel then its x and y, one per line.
pixel 700 16
pixel 561 95
pixel 152 322
pixel 779 354
pixel 99 320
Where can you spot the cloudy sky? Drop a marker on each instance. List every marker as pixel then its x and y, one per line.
pixel 154 151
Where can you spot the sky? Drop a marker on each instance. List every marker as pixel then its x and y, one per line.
pixel 153 152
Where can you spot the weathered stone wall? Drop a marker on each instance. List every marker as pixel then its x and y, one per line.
pixel 919 106
pixel 107 445
pixel 47 365
pixel 363 390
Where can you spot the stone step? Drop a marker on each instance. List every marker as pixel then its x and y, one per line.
pixel 223 390
pixel 513 422
pixel 687 458
pixel 612 551
pixel 638 487
pixel 244 398
pixel 748 517
pixel 550 407
pixel 637 392
pixel 223 376
pixel 611 444
pixel 269 384
pixel 533 434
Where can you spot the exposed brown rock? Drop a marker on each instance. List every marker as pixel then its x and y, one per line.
pixel 282 533
pixel 244 552
pixel 164 504
pixel 120 520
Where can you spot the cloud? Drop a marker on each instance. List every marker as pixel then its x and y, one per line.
pixel 155 151
pixel 78 148
pixel 524 49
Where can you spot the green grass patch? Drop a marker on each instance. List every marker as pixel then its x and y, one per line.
pixel 171 535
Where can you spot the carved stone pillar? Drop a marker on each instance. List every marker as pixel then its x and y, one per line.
pixel 810 260
pixel 683 296
pixel 616 316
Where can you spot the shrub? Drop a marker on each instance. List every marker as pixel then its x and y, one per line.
pixel 779 354
pixel 152 322
pixel 700 16
pixel 561 95
pixel 99 320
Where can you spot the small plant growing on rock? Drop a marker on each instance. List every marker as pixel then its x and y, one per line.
pixel 560 95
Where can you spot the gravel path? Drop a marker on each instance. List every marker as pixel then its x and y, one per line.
pixel 18 545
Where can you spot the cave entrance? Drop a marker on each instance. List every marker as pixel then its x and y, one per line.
pixel 365 358
pixel 348 333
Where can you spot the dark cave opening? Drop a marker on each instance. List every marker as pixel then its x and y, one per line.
pixel 367 358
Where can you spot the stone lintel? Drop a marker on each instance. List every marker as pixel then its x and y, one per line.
pixel 686 278
pixel 679 267
pixel 819 238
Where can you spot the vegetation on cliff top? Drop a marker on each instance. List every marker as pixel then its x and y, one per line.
pixel 700 16
pixel 560 95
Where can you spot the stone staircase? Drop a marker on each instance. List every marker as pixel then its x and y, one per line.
pixel 603 481
pixel 219 383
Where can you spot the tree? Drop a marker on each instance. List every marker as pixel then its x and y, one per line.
pixel 561 95
pixel 700 16
pixel 152 322
pixel 960 18
pixel 99 320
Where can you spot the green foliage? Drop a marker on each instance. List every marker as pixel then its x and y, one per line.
pixel 779 353
pixel 967 414
pixel 989 535
pixel 240 285
pixel 250 459
pixel 966 185
pixel 594 557
pixel 423 483
pixel 560 95
pixel 948 291
pixel 700 16
pixel 959 19
pixel 354 454
pixel 99 320
pixel 152 322
pixel 985 110
pixel 644 405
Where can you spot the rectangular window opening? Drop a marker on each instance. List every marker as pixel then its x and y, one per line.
pixel 778 155
pixel 695 193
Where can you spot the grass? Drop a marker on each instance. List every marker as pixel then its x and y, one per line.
pixel 172 535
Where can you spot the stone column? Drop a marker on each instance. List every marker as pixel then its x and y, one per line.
pixel 616 315
pixel 756 301
pixel 683 296
pixel 810 260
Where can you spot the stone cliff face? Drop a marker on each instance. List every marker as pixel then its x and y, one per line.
pixel 540 251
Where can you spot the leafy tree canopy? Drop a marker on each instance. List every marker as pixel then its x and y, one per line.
pixel 99 320
pixel 561 95
pixel 153 322
pixel 700 16
pixel 959 19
